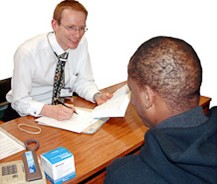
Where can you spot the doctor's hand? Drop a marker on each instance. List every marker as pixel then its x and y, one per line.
pixel 101 98
pixel 58 112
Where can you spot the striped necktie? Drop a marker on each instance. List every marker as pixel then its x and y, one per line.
pixel 59 78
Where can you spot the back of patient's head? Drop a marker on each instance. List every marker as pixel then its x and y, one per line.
pixel 171 67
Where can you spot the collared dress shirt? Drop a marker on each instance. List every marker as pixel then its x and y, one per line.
pixel 34 70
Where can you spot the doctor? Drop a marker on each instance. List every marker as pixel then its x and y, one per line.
pixel 36 82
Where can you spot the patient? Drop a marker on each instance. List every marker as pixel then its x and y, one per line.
pixel 164 76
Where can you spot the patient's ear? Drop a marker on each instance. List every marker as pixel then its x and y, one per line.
pixel 148 96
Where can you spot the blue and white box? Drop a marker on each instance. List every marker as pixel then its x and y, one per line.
pixel 58 165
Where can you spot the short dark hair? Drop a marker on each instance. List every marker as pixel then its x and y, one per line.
pixel 171 67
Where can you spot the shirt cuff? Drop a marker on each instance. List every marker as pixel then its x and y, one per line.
pixel 96 95
pixel 35 108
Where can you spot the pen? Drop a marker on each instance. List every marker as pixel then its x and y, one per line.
pixel 59 101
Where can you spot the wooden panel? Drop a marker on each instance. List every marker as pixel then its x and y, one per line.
pixel 205 102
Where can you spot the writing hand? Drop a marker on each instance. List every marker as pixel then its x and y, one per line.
pixel 58 112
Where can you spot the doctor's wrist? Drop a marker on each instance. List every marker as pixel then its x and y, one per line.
pixel 96 96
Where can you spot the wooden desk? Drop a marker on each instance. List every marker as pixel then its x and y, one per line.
pixel 116 138
pixel 205 103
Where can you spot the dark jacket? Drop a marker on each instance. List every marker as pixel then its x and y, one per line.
pixel 180 150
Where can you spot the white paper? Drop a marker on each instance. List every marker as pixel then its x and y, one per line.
pixel 114 107
pixel 121 91
pixel 86 120
pixel 77 123
pixel 9 145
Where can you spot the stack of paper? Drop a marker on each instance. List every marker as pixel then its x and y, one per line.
pixel 90 120
pixel 9 145
pixel 114 107
pixel 77 123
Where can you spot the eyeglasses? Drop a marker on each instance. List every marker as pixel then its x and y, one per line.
pixel 74 29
